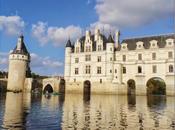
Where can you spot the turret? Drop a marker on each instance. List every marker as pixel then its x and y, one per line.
pixel 67 68
pixel 110 57
pixel 19 60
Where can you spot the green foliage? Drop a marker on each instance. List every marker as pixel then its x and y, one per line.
pixel 3 74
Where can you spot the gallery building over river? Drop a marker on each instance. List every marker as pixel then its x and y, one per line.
pixel 99 64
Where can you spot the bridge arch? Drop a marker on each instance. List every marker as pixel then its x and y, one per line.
pixel 131 87
pixel 48 88
pixel 87 87
pixel 156 86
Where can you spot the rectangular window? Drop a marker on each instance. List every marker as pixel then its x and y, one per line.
pixel 124 70
pixel 99 58
pixel 139 56
pixel 100 80
pixel 88 58
pixel 154 69
pixel 76 60
pixel 88 69
pixel 99 47
pixel 111 59
pixel 76 70
pixel 124 57
pixel 88 48
pixel 153 56
pixel 115 70
pixel 98 70
pixel 170 54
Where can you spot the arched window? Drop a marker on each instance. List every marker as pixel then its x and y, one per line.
pixel 139 69
pixel 171 69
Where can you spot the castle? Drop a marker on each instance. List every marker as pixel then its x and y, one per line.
pixel 19 69
pixel 100 64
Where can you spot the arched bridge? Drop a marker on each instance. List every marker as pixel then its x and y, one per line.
pixel 54 84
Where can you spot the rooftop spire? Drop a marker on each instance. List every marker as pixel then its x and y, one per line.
pixel 110 39
pixel 68 43
pixel 20 47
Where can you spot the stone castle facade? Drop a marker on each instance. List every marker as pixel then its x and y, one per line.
pixel 107 65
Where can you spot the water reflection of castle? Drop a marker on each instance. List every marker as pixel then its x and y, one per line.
pixel 101 112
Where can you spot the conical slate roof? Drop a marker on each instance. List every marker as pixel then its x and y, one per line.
pixel 68 43
pixel 22 48
pixel 110 39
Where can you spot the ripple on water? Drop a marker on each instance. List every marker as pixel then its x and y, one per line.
pixel 101 112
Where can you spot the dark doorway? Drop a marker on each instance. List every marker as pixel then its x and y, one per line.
pixel 62 86
pixel 156 86
pixel 87 87
pixel 131 87
pixel 48 89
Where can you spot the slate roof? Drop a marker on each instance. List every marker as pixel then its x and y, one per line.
pixel 23 49
pixel 68 43
pixel 131 42
pixel 110 39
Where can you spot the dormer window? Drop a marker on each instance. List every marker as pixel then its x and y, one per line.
pixel 139 45
pixel 169 42
pixel 153 44
pixel 124 46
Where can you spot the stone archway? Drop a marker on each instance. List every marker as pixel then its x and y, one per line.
pixel 156 86
pixel 48 88
pixel 131 87
pixel 87 88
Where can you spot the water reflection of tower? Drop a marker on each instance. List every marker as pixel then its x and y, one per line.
pixel 16 111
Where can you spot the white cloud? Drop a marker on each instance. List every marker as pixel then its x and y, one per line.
pixel 3 58
pixel 56 35
pixel 132 13
pixel 11 25
pixel 38 61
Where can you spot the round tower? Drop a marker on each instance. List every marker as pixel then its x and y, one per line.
pixel 67 65
pixel 19 60
pixel 110 58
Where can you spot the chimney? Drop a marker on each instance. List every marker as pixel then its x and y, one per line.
pixel 97 34
pixel 117 38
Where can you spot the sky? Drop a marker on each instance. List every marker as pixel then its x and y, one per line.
pixel 47 25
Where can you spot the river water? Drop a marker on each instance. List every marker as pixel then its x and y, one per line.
pixel 97 112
